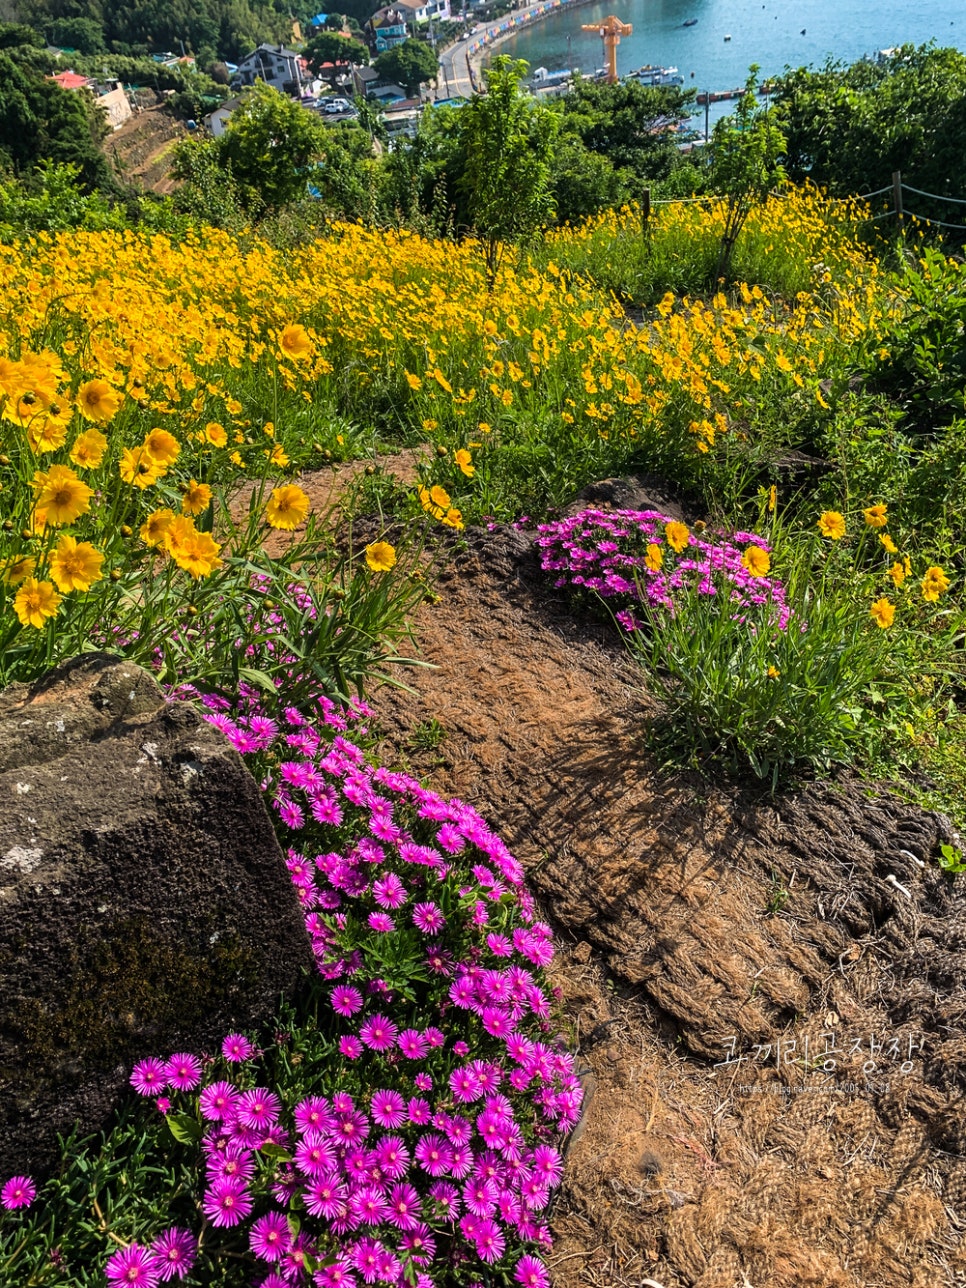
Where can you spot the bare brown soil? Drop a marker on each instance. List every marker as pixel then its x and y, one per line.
pixel 141 149
pixel 699 918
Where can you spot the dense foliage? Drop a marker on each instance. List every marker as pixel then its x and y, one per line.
pixel 848 128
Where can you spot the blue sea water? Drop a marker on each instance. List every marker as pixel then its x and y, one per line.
pixel 774 34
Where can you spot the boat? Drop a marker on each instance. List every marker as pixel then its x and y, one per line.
pixel 690 22
pixel 727 38
pixel 656 75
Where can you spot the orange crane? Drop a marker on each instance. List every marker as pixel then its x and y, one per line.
pixel 610 32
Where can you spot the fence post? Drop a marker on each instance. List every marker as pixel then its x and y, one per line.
pixel 645 209
pixel 897 196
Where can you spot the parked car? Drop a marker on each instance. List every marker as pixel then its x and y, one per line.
pixel 333 105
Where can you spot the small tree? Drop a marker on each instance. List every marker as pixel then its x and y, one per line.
pixel 409 64
pixel 746 152
pixel 330 47
pixel 506 139
pixel 269 145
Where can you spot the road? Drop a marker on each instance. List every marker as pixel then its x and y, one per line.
pixel 454 72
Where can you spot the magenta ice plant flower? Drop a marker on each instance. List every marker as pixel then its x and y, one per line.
pixel 133 1267
pixel 18 1192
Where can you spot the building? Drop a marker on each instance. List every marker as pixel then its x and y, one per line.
pixel 216 122
pixel 109 95
pixel 277 66
pixel 388 28
pixel 425 10
pixel 367 83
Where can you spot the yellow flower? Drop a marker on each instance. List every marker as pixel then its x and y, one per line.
pixel 429 425
pixel 452 519
pixel 756 561
pixel 154 529
pixel 875 517
pixel 61 494
pixel 934 584
pixel 75 565
pixel 196 552
pixel 216 434
pixel 831 524
pixel 96 400
pixel 654 557
pixel 138 468
pixel 234 406
pixel 35 601
pixel 484 428
pixel 883 613
pixel 414 381
pixel 278 456
pixel 677 535
pixel 441 380
pixel 465 461
pixel 890 545
pixel 898 574
pixel 18 569
pixel 439 496
pixel 196 498
pixel 295 342
pixel 287 507
pixel 88 450
pixel 47 433
pixel 380 556
pixel 161 447
pixel 773 673
pixel 772 498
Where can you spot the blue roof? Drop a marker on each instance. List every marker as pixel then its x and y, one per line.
pixel 318 20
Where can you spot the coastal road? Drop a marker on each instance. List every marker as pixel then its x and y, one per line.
pixel 454 72
pixel 454 79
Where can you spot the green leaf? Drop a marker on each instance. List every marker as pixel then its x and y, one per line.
pixel 185 1129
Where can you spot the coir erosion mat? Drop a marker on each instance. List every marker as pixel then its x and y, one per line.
pixel 767 993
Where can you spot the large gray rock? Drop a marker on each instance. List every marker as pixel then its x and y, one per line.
pixel 145 906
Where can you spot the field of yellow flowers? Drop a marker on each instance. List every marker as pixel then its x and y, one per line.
pixel 144 380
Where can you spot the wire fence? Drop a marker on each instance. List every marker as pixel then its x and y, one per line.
pixel 898 210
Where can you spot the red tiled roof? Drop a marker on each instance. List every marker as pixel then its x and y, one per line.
pixel 70 80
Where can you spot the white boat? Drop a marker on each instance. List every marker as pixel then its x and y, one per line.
pixel 657 75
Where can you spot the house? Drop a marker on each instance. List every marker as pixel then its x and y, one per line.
pixel 425 10
pixel 216 122
pixel 367 83
pixel 71 80
pixel 388 28
pixel 277 66
pixel 109 94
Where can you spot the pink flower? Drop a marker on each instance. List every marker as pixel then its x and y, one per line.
pixel 183 1072
pixel 346 1000
pixel 270 1237
pixel 227 1202
pixel 236 1048
pixel 217 1102
pixel 530 1272
pixel 149 1077
pixel 379 1033
pixel 428 918
pixel 133 1267
pixel 388 1109
pixel 175 1251
pixel 19 1192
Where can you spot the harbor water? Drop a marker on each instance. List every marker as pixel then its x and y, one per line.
pixel 715 51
